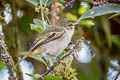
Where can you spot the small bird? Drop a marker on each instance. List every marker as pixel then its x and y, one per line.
pixel 53 40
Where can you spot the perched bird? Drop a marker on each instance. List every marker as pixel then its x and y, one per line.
pixel 53 40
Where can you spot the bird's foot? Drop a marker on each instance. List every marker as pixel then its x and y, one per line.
pixel 46 62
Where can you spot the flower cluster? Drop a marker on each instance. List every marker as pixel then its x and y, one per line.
pixel 64 70
pixel 101 2
pixel 69 3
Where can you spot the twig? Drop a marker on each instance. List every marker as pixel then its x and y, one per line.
pixel 7 59
pixel 47 18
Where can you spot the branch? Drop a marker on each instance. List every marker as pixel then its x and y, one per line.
pixel 47 18
pixel 7 59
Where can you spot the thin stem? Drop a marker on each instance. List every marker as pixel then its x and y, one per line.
pixel 42 14
pixel 47 18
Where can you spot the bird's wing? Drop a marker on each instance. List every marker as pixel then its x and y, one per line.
pixel 47 36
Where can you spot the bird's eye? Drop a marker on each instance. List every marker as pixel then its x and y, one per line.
pixel 52 35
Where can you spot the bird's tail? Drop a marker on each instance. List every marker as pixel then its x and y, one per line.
pixel 24 57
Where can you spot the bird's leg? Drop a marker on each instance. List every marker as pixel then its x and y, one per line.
pixel 46 62
pixel 58 57
pixel 53 55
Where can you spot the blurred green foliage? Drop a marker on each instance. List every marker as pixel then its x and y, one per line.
pixel 100 25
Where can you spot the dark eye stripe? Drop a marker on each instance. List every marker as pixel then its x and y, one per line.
pixel 70 24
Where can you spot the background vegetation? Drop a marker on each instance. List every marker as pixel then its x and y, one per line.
pixel 99 22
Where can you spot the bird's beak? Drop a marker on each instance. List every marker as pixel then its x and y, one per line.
pixel 75 24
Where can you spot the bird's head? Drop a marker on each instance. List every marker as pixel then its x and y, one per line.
pixel 67 23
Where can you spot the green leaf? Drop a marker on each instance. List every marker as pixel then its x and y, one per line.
pixel 37 22
pixel 71 16
pixel 82 9
pixel 87 22
pixel 47 2
pixel 101 10
pixel 36 28
pixel 52 78
pixel 44 2
pixel 34 2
